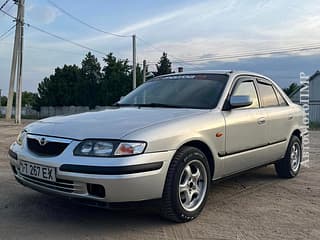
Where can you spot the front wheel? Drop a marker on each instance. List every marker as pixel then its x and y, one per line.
pixel 289 166
pixel 186 186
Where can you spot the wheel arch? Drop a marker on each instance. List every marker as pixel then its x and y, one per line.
pixel 297 133
pixel 205 149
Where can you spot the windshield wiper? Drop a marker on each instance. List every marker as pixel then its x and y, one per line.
pixel 123 104
pixel 160 105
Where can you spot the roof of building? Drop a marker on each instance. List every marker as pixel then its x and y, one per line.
pixel 313 76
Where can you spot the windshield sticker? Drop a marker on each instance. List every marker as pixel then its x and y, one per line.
pixel 180 77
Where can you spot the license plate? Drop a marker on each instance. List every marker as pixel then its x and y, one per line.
pixel 38 171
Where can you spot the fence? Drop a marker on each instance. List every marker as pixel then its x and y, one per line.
pixel 314 112
pixel 28 112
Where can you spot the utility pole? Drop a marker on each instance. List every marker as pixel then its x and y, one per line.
pixel 19 70
pixel 14 63
pixel 144 71
pixel 134 61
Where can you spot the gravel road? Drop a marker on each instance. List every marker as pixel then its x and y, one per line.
pixel 255 205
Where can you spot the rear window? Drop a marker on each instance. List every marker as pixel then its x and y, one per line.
pixel 268 95
pixel 281 99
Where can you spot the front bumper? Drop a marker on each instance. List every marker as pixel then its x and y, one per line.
pixel 125 179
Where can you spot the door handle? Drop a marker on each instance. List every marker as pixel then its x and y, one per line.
pixel 261 121
pixel 290 116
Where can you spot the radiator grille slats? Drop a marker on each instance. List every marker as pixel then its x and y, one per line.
pixel 47 149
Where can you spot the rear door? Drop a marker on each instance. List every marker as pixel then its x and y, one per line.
pixel 279 116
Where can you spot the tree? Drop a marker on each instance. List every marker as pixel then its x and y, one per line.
pixel 88 85
pixel 116 81
pixel 289 90
pixel 60 89
pixel 89 82
pixel 3 101
pixel 164 65
pixel 28 99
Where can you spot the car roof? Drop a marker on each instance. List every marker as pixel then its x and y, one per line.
pixel 227 72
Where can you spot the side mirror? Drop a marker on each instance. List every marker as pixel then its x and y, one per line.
pixel 240 101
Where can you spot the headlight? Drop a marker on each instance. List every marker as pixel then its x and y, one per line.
pixel 22 135
pixel 101 148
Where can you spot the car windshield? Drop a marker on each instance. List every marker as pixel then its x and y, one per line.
pixel 201 91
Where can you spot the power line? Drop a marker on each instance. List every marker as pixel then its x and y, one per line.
pixel 4 4
pixel 3 36
pixel 160 50
pixel 261 51
pixel 8 14
pixel 57 36
pixel 83 22
pixel 251 54
pixel 66 40
pixel 56 50
pixel 280 51
pixel 105 32
pixel 178 60
pixel 9 8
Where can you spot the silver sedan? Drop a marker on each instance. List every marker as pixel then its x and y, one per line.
pixel 166 140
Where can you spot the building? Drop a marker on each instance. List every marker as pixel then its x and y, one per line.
pixel 314 98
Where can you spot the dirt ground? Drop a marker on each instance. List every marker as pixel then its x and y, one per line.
pixel 255 205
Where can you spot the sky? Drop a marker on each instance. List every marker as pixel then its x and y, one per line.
pixel 185 29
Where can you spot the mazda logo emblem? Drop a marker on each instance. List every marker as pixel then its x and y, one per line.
pixel 42 141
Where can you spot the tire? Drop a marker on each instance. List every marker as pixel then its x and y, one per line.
pixel 186 187
pixel 289 166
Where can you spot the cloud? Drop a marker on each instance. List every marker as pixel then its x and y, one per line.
pixel 215 29
pixel 196 29
pixel 282 69
pixel 41 14
pixel 196 12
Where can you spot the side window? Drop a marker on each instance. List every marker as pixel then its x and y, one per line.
pixel 267 94
pixel 281 99
pixel 247 88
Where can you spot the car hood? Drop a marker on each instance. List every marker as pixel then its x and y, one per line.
pixel 109 124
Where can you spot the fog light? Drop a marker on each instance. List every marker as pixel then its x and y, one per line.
pixel 96 190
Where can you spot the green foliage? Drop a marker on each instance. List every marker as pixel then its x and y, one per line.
pixel 3 101
pixel 28 99
pixel 164 65
pixel 89 85
pixel 90 80
pixel 289 90
pixel 60 89
pixel 116 81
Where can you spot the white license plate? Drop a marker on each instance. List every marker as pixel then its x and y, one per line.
pixel 38 171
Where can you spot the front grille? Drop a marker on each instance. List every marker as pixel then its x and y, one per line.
pixel 48 149
pixel 60 184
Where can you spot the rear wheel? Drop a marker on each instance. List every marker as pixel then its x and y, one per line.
pixel 187 185
pixel 289 166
